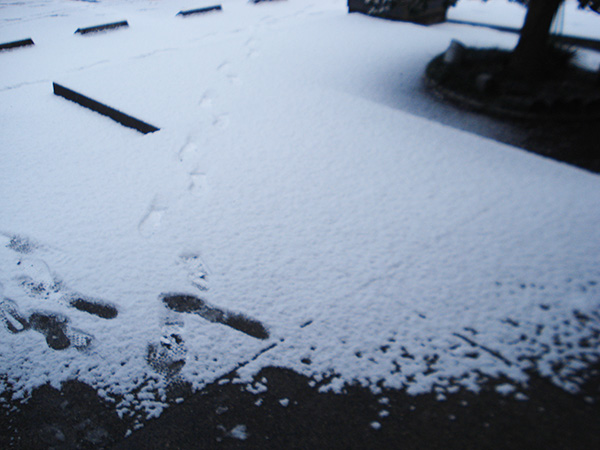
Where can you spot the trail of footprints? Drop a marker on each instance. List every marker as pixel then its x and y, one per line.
pixel 168 355
pixel 38 282
pixel 189 153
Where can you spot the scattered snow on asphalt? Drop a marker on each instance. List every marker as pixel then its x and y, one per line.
pixel 239 432
pixel 286 187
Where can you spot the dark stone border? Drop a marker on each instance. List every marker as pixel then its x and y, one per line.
pixel 98 107
pixel 16 44
pixel 104 27
pixel 190 12
pixel 491 108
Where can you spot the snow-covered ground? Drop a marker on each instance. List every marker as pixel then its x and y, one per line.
pixel 375 246
pixel 570 19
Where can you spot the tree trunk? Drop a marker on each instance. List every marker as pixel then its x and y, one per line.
pixel 530 54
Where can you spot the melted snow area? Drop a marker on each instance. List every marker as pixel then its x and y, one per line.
pixel 285 214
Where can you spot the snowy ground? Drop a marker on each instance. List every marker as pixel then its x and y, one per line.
pixel 570 20
pixel 286 184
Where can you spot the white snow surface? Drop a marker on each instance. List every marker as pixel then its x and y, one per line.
pixel 376 246
pixel 570 19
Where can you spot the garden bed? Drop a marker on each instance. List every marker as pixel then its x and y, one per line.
pixel 478 80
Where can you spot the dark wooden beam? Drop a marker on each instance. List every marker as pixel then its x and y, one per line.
pixel 16 44
pixel 103 109
pixel 190 12
pixel 104 27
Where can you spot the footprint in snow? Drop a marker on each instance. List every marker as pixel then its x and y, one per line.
pixel 183 303
pixel 207 99
pixel 150 223
pixel 234 79
pixel 188 153
pixel 38 282
pixel 251 45
pixel 168 355
pixel 226 68
pixel 198 183
pixel 196 269
pixel 11 317
pixel 222 121
pixel 59 334
pixel 55 327
pixel 19 244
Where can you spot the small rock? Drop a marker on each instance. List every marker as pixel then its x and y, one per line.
pixel 51 435
pixel 521 397
pixel 455 53
pixel 505 389
pixel 96 436
pixel 83 424
pixel 484 82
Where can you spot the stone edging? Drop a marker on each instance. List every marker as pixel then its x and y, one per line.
pixel 499 111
